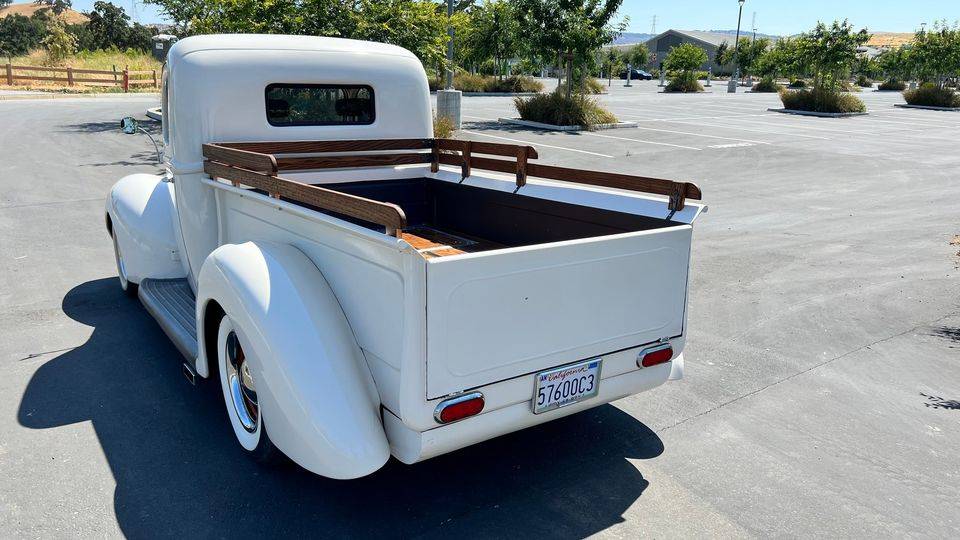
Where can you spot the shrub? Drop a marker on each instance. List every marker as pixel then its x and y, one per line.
pixel 931 96
pixel 821 100
pixel 798 83
pixel 864 82
pixel 846 86
pixel 893 84
pixel 442 127
pixel 555 108
pixel 593 86
pixel 685 82
pixel 766 84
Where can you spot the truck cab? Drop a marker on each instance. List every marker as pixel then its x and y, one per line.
pixel 360 289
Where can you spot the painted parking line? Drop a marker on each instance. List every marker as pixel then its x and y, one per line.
pixel 701 135
pixel 741 128
pixel 537 144
pixel 639 140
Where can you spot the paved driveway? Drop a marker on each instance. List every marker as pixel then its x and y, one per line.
pixel 822 395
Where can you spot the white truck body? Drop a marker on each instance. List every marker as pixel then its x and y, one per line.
pixel 353 335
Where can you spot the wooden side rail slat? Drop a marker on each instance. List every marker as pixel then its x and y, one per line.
pixel 677 191
pixel 330 162
pixel 389 215
pixel 241 158
pixel 477 147
pixel 307 147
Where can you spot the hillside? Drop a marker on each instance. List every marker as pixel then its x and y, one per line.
pixel 28 9
pixel 890 39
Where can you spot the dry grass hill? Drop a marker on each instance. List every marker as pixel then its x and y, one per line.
pixel 27 9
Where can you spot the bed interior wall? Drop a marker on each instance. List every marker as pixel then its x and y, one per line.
pixel 507 219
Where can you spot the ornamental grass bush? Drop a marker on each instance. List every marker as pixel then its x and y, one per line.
pixel 798 83
pixel 442 127
pixel 555 108
pixel 684 82
pixel 864 82
pixel 894 85
pixel 930 95
pixel 766 84
pixel 821 100
pixel 593 86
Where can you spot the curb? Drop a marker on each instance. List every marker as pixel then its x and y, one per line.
pixel 552 127
pixel 155 114
pixel 927 107
pixel 818 114
pixel 492 94
pixel 52 95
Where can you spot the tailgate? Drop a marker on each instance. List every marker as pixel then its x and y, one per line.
pixel 498 315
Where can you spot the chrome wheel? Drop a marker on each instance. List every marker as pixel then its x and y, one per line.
pixel 243 392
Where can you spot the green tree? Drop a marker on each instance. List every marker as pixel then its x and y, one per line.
pixel 57 6
pixel 415 25
pixel 935 54
pixel 781 60
pixel 638 55
pixel 750 51
pixel 5 3
pixel 896 64
pixel 612 60
pixel 20 34
pixel 831 52
pixel 495 33
pixel 685 57
pixel 572 29
pixel 59 43
pixel 109 26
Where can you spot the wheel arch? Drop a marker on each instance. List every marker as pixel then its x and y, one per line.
pixel 317 395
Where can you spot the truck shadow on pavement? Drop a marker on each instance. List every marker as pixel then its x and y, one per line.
pixel 179 471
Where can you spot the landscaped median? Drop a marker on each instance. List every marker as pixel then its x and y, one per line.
pixel 820 101
pixel 930 96
pixel 556 111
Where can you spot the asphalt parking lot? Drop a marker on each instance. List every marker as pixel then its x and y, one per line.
pixel 822 388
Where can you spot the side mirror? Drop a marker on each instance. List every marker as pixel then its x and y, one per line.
pixel 129 125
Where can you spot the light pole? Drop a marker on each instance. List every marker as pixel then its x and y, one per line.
pixel 448 99
pixel 732 86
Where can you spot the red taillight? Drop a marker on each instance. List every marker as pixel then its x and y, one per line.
pixel 655 355
pixel 458 408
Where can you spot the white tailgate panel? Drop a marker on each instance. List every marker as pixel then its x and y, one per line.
pixel 495 316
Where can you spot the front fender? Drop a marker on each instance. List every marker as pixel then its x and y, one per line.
pixel 142 215
pixel 318 399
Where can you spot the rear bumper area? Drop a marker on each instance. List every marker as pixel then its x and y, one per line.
pixel 410 446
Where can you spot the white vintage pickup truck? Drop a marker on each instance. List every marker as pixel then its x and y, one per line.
pixel 361 289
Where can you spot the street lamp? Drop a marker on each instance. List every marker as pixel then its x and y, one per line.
pixel 448 99
pixel 732 86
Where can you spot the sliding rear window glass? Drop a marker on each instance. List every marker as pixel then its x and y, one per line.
pixel 319 104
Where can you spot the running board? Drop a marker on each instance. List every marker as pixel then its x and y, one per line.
pixel 172 304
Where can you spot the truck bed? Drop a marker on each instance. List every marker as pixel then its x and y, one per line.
pixel 446 219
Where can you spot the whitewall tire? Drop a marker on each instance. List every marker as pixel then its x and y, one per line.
pixel 129 287
pixel 239 393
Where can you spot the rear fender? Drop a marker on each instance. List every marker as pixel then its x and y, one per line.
pixel 141 214
pixel 318 398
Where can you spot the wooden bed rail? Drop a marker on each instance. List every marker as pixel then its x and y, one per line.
pixel 270 158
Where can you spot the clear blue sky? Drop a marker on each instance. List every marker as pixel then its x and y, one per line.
pixel 784 17
pixel 773 16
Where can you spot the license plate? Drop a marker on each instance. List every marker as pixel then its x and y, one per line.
pixel 566 385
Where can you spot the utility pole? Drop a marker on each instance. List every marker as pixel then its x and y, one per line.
pixel 754 27
pixel 653 26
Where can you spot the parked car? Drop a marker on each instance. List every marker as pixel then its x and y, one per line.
pixel 637 75
pixel 359 289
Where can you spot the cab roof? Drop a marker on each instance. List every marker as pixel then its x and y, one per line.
pixel 266 42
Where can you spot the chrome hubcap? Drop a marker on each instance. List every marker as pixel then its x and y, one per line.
pixel 243 393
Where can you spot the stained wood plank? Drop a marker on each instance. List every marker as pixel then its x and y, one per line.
pixel 241 158
pixel 389 215
pixel 304 163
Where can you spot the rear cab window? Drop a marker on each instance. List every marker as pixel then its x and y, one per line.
pixel 319 104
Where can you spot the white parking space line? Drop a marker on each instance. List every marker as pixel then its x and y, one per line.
pixel 874 118
pixel 479 118
pixel 537 144
pixel 676 118
pixel 741 128
pixel 701 135
pixel 639 141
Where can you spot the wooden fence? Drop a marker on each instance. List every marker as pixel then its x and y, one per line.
pixel 86 77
